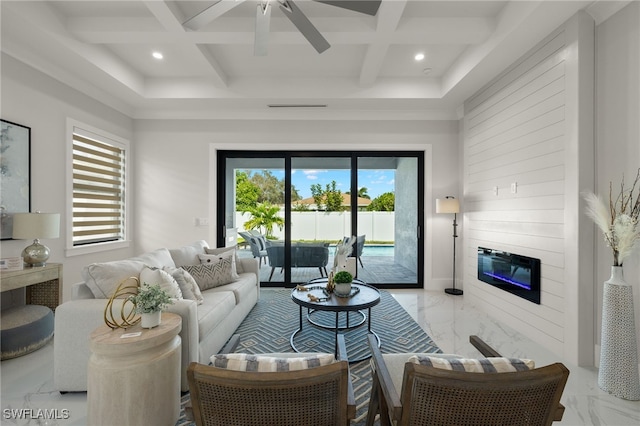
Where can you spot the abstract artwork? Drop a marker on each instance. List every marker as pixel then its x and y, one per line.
pixel 15 194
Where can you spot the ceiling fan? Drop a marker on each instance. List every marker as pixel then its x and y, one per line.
pixel 290 10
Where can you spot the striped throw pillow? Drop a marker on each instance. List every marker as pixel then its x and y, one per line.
pixel 262 363
pixel 480 365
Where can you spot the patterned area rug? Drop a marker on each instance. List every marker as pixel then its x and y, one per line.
pixel 269 326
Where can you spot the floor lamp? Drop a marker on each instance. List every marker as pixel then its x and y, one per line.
pixel 450 204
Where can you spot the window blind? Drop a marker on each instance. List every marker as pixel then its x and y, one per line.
pixel 98 191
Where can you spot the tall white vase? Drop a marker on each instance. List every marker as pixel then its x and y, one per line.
pixel 618 372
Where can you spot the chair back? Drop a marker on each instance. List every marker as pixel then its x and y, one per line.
pixel 276 256
pixel 258 245
pixel 315 396
pixel 432 396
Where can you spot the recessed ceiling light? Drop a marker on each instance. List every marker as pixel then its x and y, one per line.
pixel 419 56
pixel 157 55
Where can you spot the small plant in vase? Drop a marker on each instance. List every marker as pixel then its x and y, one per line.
pixel 342 281
pixel 149 303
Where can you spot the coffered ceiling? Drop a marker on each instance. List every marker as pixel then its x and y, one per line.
pixel 104 49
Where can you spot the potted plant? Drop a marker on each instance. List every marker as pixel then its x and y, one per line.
pixel 342 281
pixel 149 303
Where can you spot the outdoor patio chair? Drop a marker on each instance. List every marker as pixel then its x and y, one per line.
pixel 257 243
pixel 358 248
pixel 410 393
pixel 318 395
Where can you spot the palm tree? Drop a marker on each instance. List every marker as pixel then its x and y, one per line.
pixel 264 215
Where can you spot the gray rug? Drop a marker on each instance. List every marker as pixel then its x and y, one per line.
pixel 269 326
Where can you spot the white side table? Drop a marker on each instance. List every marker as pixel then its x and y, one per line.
pixel 135 380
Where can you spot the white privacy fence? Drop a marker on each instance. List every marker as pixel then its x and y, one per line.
pixel 313 225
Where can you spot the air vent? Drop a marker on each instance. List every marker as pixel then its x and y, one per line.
pixel 297 105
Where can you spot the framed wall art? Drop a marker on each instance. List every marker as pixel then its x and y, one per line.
pixel 15 173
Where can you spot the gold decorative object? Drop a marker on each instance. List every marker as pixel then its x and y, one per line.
pixel 301 288
pixel 313 298
pixel 126 315
pixel 331 285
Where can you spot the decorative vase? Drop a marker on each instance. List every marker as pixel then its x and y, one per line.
pixel 151 319
pixel 618 373
pixel 342 289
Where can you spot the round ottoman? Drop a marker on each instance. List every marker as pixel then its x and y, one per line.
pixel 25 329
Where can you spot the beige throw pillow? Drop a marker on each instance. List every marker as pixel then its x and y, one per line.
pixel 222 250
pixel 153 276
pixel 188 285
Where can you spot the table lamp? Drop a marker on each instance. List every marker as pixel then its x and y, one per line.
pixel 36 225
pixel 450 204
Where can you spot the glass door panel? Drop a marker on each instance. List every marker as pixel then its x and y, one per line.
pixel 254 206
pixel 320 213
pixel 388 246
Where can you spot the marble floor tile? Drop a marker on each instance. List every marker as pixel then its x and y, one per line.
pixel 27 382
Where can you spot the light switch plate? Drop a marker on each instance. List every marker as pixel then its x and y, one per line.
pixel 514 187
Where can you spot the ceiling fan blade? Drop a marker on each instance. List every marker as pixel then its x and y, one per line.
pixel 369 7
pixel 305 26
pixel 263 19
pixel 212 12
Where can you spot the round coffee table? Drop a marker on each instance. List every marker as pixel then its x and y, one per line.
pixel 363 296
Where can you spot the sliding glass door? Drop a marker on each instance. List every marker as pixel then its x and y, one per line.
pixel 291 209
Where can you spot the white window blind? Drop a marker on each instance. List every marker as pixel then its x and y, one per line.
pixel 98 191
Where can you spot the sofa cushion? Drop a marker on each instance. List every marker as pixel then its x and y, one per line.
pixel 221 250
pixel 187 284
pixel 153 276
pixel 241 288
pixel 215 307
pixel 188 255
pixel 104 278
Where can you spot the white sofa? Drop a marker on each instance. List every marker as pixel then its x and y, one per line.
pixel 206 327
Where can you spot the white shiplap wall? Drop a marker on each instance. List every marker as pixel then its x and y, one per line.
pixel 516 133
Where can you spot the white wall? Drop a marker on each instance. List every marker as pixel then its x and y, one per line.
pixel 35 100
pixel 532 127
pixel 617 129
pixel 175 161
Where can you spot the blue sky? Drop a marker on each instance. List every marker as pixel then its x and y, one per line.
pixel 376 181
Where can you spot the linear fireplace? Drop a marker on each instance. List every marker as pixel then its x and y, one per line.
pixel 519 275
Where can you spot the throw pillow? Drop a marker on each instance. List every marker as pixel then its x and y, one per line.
pixel 188 285
pixel 153 276
pixel 212 275
pixel 103 278
pixel 480 365
pixel 262 363
pixel 188 255
pixel 221 250
pixel 215 258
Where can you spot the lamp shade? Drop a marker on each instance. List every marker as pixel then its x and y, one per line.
pixel 36 225
pixel 447 205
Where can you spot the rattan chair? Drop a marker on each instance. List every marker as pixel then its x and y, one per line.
pixel 317 396
pixel 432 396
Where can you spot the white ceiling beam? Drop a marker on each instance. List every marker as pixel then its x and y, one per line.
pixel 41 18
pixel 208 15
pixel 172 24
pixel 389 16
pixel 423 31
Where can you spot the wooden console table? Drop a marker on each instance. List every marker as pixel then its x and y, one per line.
pixel 43 284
